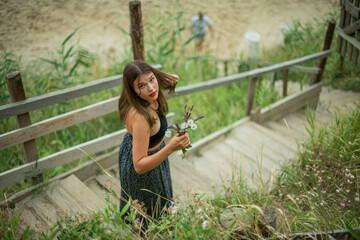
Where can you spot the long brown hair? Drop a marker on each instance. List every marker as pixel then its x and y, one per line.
pixel 129 98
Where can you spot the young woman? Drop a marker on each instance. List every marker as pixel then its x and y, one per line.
pixel 143 156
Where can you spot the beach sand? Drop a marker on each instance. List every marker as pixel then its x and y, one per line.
pixel 35 28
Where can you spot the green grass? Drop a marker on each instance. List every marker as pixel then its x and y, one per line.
pixel 298 188
pixel 319 191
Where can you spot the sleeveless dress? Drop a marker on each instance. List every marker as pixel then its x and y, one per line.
pixel 145 187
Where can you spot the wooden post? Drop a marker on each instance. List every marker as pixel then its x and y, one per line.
pixel 226 67
pixel 356 52
pixel 17 93
pixel 137 30
pixel 327 43
pixel 251 94
pixel 285 82
pixel 352 19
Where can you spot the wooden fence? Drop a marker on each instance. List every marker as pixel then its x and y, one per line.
pixel 28 132
pixel 349 31
pixel 47 126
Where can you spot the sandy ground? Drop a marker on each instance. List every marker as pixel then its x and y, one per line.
pixel 35 28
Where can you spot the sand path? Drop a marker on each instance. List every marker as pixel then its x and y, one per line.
pixel 34 28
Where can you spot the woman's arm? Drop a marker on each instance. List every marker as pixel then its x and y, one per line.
pixel 141 134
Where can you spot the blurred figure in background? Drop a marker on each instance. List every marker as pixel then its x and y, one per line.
pixel 199 24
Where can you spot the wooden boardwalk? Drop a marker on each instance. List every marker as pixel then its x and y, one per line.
pixel 256 149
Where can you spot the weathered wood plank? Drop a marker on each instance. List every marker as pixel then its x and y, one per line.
pixel 347 20
pixel 82 195
pixel 356 52
pixel 214 136
pixel 60 158
pixel 57 123
pixel 276 137
pixel 63 157
pixel 290 103
pixel 60 122
pixel 351 40
pixel 45 100
pixel 17 93
pixel 82 172
pixel 352 28
pixel 352 9
pixel 341 41
pixel 352 19
pixel 304 69
pixel 327 44
pixel 299 68
pixel 251 95
pixel 136 30
pixel 98 85
pixel 109 183
pixel 285 82
pixel 180 91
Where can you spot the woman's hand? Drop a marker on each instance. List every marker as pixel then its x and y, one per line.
pixel 179 142
pixel 176 78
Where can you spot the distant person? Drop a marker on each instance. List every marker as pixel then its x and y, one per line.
pixel 199 24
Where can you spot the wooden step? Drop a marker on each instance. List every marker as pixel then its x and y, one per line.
pixel 260 163
pixel 338 98
pixel 284 129
pixel 297 122
pixel 213 164
pixel 186 179
pixel 104 184
pixel 269 145
pixel 276 136
pixel 68 196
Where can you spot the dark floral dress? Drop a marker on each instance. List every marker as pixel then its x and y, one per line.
pixel 145 187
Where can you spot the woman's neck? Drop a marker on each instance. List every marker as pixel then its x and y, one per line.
pixel 154 105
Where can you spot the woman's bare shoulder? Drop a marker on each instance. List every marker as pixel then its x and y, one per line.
pixel 133 117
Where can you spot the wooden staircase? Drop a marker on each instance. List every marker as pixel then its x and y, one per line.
pixel 259 150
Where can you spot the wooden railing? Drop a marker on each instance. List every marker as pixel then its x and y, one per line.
pixel 349 31
pixel 47 126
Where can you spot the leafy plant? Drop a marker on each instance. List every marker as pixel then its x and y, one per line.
pixel 68 59
pixel 7 65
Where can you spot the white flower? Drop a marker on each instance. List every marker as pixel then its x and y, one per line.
pixel 205 224
pixel 193 127
pixel 184 126
pixel 168 133
pixel 174 209
pixel 190 122
pixel 357 199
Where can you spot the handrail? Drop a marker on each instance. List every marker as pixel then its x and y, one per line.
pixel 249 74
pixel 65 156
pixel 27 170
pixel 98 109
pixel 63 95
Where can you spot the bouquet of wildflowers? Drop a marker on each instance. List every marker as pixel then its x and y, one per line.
pixel 182 128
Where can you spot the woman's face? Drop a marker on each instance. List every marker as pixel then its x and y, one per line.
pixel 147 87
